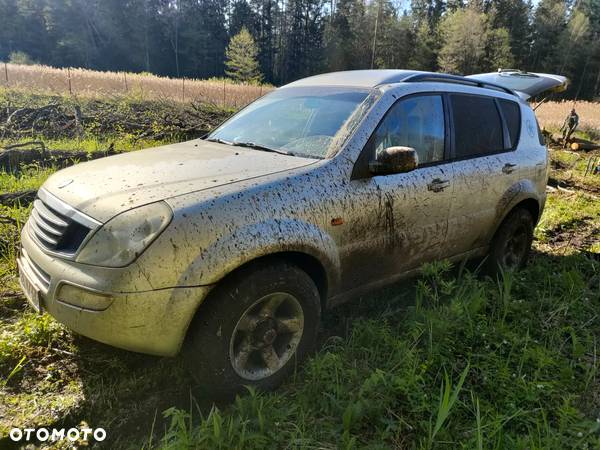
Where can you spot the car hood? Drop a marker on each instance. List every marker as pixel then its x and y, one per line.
pixel 105 187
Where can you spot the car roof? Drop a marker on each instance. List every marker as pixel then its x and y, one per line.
pixel 518 83
pixel 379 77
pixel 357 78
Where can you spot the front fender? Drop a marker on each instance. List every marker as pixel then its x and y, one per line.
pixel 242 245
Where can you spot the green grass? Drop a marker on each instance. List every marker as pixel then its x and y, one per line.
pixel 91 144
pixel 32 177
pixel 479 364
pixel 568 210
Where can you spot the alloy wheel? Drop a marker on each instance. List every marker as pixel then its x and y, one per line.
pixel 515 249
pixel 266 336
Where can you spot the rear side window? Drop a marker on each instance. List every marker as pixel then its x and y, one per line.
pixel 477 126
pixel 512 115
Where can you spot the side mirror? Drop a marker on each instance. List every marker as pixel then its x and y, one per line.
pixel 394 160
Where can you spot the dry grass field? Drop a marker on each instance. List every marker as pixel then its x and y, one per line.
pixel 91 83
pixel 552 114
pixel 219 92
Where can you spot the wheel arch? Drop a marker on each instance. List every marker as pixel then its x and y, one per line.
pixel 310 264
pixel 529 204
pixel 306 262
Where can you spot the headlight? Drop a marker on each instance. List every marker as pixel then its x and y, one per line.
pixel 126 236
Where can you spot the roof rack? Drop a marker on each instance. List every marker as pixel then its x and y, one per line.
pixel 521 73
pixel 447 78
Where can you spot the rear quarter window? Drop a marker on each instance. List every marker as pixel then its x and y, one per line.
pixel 541 137
pixel 477 126
pixel 512 115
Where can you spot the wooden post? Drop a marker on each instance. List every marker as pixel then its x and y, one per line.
pixel 183 89
pixel 223 92
pixel 78 120
pixel 125 79
pixel 69 78
pixel 6 73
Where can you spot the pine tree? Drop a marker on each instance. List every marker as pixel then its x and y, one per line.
pixel 464 35
pixel 241 63
pixel 427 11
pixel 302 46
pixel 471 44
pixel 427 45
pixel 548 26
pixel 498 51
pixel 202 37
pixel 514 15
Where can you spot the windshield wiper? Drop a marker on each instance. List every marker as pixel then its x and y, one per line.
pixel 220 141
pixel 256 146
pixel 253 145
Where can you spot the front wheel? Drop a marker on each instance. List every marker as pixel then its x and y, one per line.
pixel 254 329
pixel 511 244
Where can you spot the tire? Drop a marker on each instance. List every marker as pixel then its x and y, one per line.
pixel 252 313
pixel 511 244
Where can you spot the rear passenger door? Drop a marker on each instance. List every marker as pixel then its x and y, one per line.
pixel 485 133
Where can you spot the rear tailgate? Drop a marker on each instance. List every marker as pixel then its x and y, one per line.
pixel 525 84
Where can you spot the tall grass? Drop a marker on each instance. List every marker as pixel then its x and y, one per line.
pixel 91 83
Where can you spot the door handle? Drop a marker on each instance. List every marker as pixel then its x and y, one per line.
pixel 508 168
pixel 438 185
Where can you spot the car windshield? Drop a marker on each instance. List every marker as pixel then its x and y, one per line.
pixel 300 121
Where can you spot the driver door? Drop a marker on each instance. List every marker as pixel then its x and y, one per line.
pixel 408 213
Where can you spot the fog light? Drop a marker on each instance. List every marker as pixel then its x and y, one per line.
pixel 82 298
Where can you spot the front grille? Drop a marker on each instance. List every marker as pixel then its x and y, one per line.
pixel 55 231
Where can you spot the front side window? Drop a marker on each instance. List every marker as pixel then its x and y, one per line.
pixel 301 121
pixel 477 125
pixel 416 122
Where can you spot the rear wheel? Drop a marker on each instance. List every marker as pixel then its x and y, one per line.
pixel 512 242
pixel 254 329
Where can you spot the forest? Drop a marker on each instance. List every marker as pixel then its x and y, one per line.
pixel 298 38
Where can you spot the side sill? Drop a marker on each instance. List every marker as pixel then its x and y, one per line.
pixel 352 294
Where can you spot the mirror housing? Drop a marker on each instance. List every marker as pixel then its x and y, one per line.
pixel 394 160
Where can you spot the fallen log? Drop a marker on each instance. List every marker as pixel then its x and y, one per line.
pixel 12 158
pixel 21 198
pixel 584 146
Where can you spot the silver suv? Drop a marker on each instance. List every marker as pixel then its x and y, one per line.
pixel 231 246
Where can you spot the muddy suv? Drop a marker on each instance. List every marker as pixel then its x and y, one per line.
pixel 231 246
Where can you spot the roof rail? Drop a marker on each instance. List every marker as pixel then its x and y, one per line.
pixel 447 78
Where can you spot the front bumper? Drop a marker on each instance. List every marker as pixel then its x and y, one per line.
pixel 152 321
